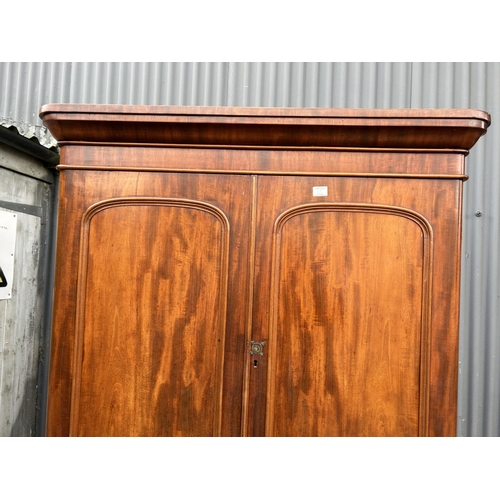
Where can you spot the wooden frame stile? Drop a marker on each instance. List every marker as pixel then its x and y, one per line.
pixel 297 270
pixel 249 330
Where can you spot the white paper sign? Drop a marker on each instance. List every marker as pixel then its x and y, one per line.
pixel 8 227
pixel 320 191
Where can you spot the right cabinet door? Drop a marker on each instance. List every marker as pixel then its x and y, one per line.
pixel 343 303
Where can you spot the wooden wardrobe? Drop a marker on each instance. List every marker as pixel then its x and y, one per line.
pixel 257 271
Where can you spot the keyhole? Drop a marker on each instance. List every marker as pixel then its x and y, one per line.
pixel 255 363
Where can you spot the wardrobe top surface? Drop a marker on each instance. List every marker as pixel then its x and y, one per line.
pixel 266 127
pixel 227 111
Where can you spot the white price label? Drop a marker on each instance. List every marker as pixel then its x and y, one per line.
pixel 320 191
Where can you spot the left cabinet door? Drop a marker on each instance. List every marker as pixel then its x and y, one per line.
pixel 150 304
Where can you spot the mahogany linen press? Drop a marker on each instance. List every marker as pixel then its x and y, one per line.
pixel 226 271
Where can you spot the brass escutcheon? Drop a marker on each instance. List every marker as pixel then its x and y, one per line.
pixel 257 348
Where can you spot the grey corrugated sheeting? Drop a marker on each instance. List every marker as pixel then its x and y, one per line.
pixel 37 134
pixel 24 87
pixel 475 85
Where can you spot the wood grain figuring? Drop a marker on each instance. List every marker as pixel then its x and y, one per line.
pixel 142 158
pixel 186 233
pixel 279 196
pixel 347 333
pixel 79 191
pixel 458 129
pixel 250 305
pixel 153 320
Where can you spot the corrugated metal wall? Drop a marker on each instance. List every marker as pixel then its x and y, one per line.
pixel 24 87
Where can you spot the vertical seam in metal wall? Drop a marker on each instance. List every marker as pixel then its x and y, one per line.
pixel 411 83
pixel 225 100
